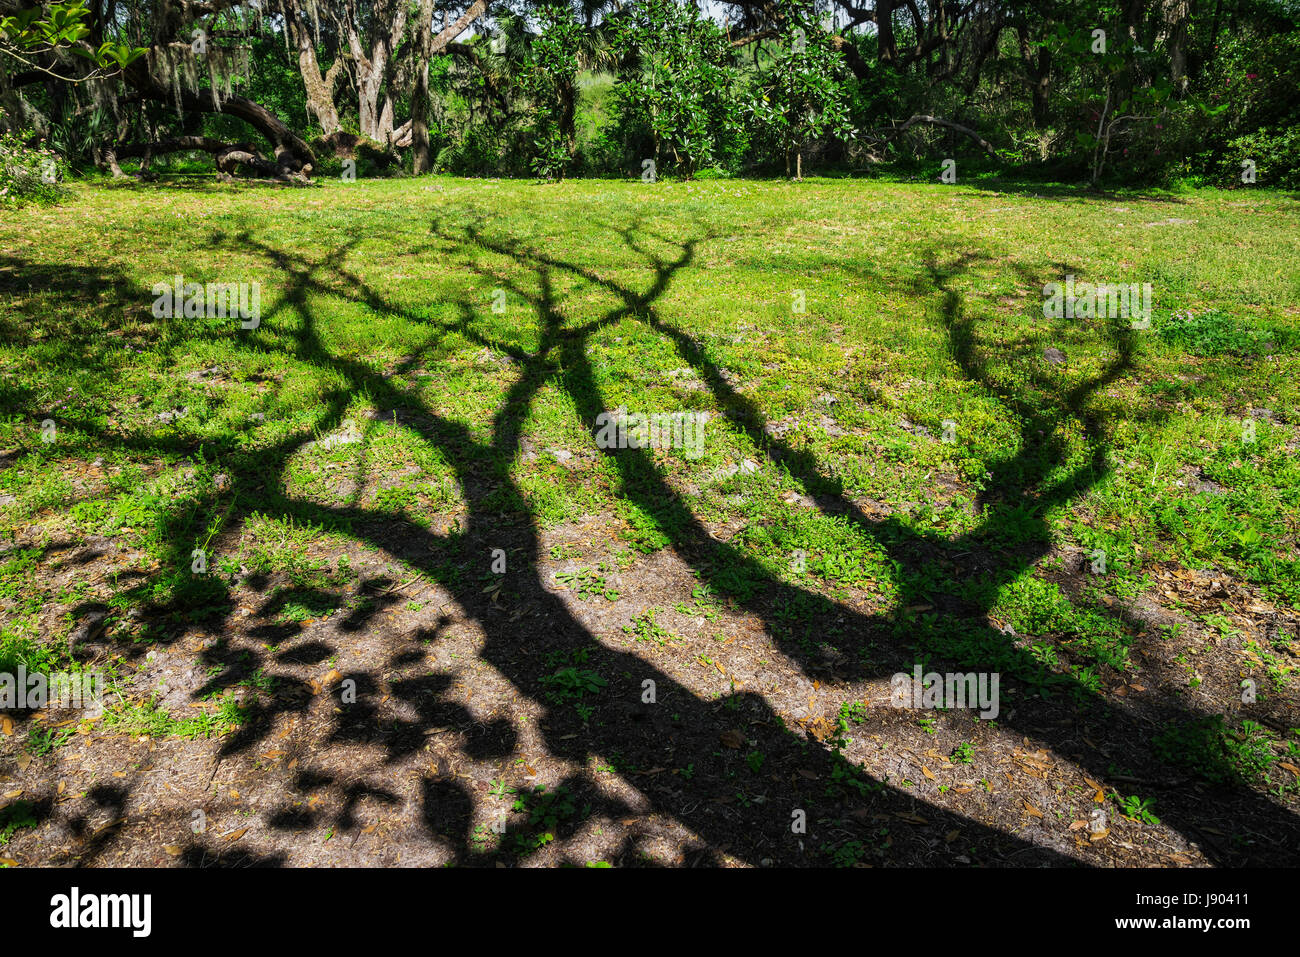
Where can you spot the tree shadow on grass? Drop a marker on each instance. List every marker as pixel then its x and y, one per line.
pixel 1026 486
pixel 818 781
pixel 1026 188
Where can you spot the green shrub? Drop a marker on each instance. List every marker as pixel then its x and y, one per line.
pixel 1272 151
pixel 28 174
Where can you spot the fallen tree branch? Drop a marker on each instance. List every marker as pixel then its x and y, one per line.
pixel 228 156
pixel 949 124
pixel 293 157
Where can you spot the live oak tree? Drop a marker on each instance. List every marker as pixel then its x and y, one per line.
pixel 192 57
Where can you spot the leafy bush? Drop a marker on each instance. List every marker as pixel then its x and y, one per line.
pixel 1272 152
pixel 549 80
pixel 479 149
pixel 802 96
pixel 678 97
pixel 27 174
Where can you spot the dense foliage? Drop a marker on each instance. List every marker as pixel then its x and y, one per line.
pixel 1095 91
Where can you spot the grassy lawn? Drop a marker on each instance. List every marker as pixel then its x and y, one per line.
pixel 427 604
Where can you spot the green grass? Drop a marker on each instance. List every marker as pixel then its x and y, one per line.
pixel 148 718
pixel 924 307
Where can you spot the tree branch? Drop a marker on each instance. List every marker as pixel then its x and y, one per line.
pixel 949 124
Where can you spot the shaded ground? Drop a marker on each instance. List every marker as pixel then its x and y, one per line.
pixel 414 772
pixel 411 705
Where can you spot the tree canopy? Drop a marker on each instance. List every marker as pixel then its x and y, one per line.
pixel 293 89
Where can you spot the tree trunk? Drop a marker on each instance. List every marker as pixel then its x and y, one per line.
pixel 1134 16
pixel 319 88
pixel 227 155
pixel 1038 69
pixel 421 161
pixel 429 46
pixel 320 92
pixel 852 58
pixel 368 101
pixel 886 46
pixel 372 70
pixel 386 120
pixel 568 113
pixel 1175 14
pixel 1043 89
